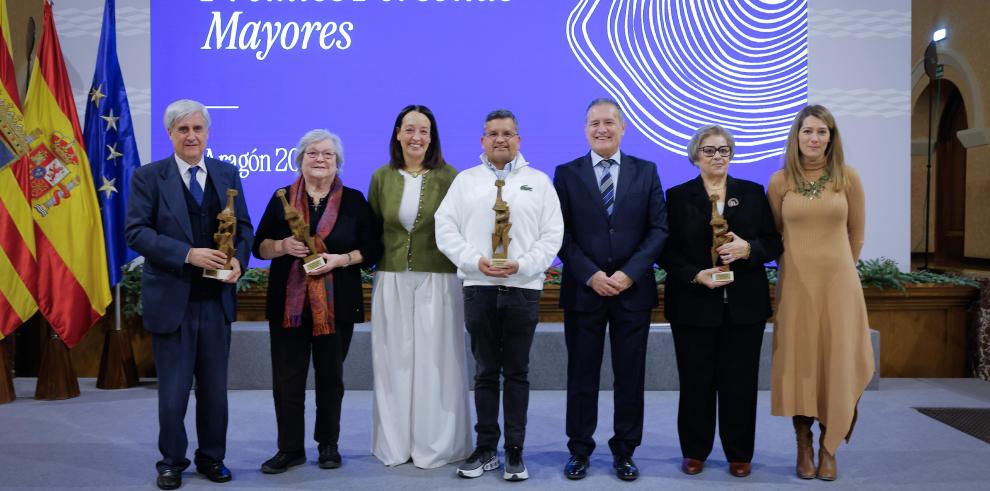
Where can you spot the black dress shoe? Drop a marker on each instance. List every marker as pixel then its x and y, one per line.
pixel 329 457
pixel 625 468
pixel 576 468
pixel 169 479
pixel 216 472
pixel 282 461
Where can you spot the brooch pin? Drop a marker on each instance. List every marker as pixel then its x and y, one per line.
pixel 733 202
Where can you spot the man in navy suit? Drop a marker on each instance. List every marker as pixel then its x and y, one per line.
pixel 615 225
pixel 171 219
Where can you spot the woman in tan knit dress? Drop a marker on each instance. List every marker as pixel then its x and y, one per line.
pixel 822 356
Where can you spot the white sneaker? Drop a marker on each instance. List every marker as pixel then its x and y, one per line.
pixel 515 468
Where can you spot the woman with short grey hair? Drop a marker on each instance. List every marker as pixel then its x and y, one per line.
pixel 717 224
pixel 313 308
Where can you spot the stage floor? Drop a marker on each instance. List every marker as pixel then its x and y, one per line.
pixel 107 440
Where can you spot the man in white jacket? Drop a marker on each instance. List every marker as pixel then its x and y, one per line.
pixel 500 303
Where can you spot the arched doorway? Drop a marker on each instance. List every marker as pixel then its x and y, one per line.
pixel 950 180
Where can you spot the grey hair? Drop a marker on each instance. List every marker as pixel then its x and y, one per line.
pixel 318 135
pixel 503 114
pixel 704 132
pixel 610 102
pixel 184 108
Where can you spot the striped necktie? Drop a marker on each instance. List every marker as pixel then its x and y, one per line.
pixel 606 186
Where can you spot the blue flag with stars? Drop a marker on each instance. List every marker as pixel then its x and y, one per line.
pixel 110 144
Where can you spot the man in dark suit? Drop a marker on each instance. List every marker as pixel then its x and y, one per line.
pixel 171 219
pixel 615 225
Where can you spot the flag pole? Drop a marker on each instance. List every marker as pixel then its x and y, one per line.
pixel 116 308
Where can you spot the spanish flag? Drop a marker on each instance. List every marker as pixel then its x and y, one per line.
pixel 18 267
pixel 73 289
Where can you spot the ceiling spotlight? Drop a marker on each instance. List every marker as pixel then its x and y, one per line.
pixel 939 35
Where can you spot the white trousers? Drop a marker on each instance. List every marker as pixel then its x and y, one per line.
pixel 420 409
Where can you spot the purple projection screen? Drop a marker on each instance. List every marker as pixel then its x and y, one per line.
pixel 271 70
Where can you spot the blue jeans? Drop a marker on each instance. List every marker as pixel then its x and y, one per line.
pixel 501 321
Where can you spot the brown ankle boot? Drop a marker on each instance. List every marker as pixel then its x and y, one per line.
pixel 827 468
pixel 805 448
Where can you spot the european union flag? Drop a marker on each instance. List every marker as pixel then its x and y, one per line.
pixel 110 144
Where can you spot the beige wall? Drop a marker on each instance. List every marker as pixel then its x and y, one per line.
pixel 967 58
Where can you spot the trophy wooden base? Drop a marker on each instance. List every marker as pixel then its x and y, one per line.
pixel 724 276
pixel 313 262
pixel 218 274
pixel 499 262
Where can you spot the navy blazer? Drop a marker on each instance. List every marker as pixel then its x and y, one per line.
pixel 689 251
pixel 630 240
pixel 158 228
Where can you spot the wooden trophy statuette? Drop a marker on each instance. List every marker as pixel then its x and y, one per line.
pixel 300 230
pixel 720 227
pixel 224 238
pixel 500 238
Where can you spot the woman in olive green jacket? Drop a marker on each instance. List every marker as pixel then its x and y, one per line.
pixel 421 407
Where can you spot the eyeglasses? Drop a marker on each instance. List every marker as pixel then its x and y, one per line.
pixel 710 151
pixel 494 135
pixel 312 154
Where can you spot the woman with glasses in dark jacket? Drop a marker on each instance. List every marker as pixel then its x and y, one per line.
pixel 717 323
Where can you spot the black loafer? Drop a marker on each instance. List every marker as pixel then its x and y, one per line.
pixel 216 472
pixel 576 468
pixel 169 479
pixel 282 461
pixel 329 457
pixel 625 468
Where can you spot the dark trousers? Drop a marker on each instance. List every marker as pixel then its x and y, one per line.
pixel 501 321
pixel 720 363
pixel 198 348
pixel 290 365
pixel 584 333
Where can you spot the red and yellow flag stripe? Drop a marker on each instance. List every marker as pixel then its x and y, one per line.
pixel 18 264
pixel 73 290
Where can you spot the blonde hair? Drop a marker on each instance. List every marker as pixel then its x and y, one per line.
pixel 834 159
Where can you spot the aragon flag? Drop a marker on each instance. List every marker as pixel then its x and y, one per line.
pixel 18 267
pixel 73 289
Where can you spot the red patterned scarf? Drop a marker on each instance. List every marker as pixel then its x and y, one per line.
pixel 302 288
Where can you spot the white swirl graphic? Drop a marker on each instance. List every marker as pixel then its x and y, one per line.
pixel 675 65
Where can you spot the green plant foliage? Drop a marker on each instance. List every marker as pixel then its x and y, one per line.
pixel 771 274
pixel 367 275
pixel 880 273
pixel 130 292
pixel 253 278
pixel 883 273
pixel 659 275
